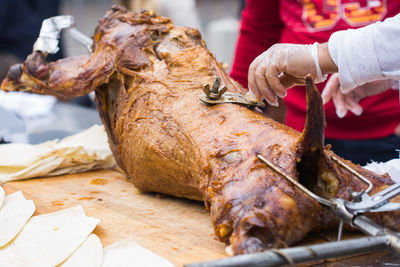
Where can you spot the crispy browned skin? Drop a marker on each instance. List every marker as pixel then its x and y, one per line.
pixel 147 74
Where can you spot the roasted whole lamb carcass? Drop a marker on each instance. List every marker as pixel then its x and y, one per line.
pixel 148 75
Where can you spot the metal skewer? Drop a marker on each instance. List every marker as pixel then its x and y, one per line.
pixel 295 183
pixel 303 254
pixel 81 38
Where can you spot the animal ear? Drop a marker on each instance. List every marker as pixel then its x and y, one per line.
pixel 312 137
pixel 309 146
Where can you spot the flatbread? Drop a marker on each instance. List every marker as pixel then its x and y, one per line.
pixel 48 240
pixel 89 254
pixel 19 155
pixel 40 168
pixel 128 253
pixel 1 196
pixel 14 214
pixel 94 140
pixel 87 150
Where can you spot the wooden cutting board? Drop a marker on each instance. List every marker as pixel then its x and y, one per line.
pixel 177 229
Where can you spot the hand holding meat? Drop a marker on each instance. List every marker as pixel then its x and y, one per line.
pixel 286 65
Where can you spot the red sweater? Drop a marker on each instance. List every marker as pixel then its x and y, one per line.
pixel 265 22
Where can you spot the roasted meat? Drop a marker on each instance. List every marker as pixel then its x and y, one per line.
pixel 148 75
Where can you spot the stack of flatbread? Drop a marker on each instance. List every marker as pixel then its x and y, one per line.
pixel 88 150
pixel 63 238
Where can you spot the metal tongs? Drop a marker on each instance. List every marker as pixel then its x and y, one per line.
pixel 376 203
pixel 350 212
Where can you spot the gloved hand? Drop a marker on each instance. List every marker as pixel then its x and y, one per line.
pixel 283 66
pixel 349 101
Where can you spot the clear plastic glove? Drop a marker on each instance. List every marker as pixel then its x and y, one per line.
pixel 281 67
pixel 349 101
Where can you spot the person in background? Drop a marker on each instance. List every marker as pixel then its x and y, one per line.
pixel 20 22
pixel 19 29
pixel 358 137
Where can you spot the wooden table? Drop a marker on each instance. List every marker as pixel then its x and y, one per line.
pixel 177 229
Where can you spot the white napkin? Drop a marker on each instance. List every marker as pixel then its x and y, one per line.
pixel 27 105
pixel 392 167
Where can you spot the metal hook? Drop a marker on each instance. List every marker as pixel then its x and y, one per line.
pixel 297 184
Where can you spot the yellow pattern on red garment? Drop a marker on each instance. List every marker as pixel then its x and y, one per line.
pixel 352 12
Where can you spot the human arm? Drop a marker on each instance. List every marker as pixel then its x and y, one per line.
pixel 368 64
pixel 362 55
pixel 367 54
pixel 261 27
pixel 285 65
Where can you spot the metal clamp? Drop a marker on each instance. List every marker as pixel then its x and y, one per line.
pixel 218 95
pixel 376 203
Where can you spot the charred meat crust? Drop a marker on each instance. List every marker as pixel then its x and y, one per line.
pixel 148 74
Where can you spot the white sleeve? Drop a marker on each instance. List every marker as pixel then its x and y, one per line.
pixel 367 54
